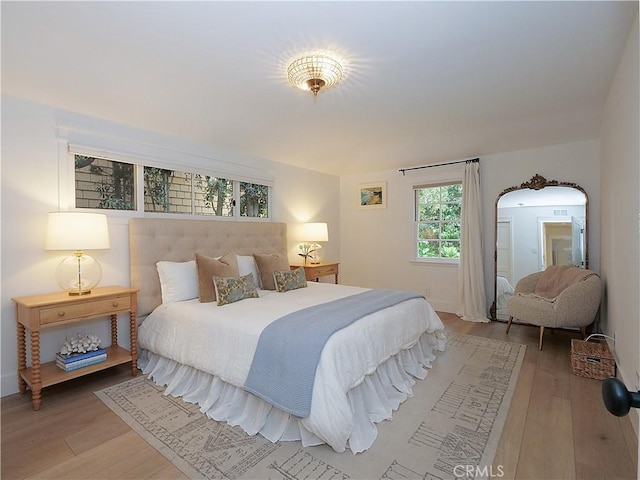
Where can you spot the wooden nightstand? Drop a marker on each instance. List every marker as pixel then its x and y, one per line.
pixel 312 272
pixel 38 312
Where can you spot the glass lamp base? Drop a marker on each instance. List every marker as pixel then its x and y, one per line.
pixel 316 256
pixel 78 274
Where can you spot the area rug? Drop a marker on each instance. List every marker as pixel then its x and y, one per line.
pixel 451 424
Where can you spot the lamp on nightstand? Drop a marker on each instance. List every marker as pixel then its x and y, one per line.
pixel 77 231
pixel 312 233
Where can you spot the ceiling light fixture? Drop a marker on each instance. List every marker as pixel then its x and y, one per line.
pixel 315 71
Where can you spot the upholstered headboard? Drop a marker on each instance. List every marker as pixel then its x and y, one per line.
pixel 152 240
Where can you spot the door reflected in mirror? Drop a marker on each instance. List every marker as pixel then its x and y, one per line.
pixel 538 224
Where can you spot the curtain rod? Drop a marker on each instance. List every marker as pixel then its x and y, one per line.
pixel 472 160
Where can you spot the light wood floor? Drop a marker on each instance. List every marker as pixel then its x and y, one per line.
pixel 557 427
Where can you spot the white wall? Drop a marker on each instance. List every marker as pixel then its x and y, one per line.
pixel 376 244
pixel 30 190
pixel 620 178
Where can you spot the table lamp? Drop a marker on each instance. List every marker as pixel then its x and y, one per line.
pixel 312 233
pixel 77 231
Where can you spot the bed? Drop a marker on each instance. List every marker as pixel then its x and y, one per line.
pixel 204 352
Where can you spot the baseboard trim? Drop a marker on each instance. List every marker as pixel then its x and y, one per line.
pixel 442 306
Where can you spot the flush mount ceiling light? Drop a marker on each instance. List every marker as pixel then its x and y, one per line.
pixel 315 71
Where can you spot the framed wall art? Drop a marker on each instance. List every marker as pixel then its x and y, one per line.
pixel 372 195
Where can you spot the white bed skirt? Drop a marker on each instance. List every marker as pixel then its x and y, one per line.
pixel 372 401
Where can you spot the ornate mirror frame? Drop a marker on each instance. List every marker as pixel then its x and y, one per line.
pixel 537 182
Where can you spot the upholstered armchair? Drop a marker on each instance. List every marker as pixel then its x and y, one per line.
pixel 558 297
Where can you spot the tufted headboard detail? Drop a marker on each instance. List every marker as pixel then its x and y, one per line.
pixel 153 239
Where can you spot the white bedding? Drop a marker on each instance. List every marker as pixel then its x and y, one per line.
pixel 504 291
pixel 220 341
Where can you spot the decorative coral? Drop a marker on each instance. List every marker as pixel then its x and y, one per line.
pixel 80 344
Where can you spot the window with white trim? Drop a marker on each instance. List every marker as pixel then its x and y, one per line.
pixel 214 196
pixel 101 183
pixel 254 200
pixel 104 184
pixel 437 221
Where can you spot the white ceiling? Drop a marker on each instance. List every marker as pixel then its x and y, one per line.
pixel 425 81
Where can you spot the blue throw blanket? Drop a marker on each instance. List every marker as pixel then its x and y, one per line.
pixel 284 365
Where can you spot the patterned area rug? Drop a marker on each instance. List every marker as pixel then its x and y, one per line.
pixel 454 420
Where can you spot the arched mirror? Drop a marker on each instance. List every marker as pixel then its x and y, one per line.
pixel 539 223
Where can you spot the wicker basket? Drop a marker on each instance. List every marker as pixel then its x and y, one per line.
pixel 592 360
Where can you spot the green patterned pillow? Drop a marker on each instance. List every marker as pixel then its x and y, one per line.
pixel 289 280
pixel 230 289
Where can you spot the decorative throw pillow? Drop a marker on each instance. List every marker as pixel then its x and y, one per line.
pixel 267 264
pixel 208 267
pixel 230 289
pixel 289 280
pixel 178 280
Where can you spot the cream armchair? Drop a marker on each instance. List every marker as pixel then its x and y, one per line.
pixel 575 305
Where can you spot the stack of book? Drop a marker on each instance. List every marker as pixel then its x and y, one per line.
pixel 79 360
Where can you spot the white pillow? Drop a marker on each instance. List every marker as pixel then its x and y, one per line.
pixel 246 265
pixel 178 280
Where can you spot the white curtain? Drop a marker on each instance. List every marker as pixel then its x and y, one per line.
pixel 472 305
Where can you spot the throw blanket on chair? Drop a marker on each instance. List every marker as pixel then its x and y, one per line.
pixel 555 279
pixel 284 366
